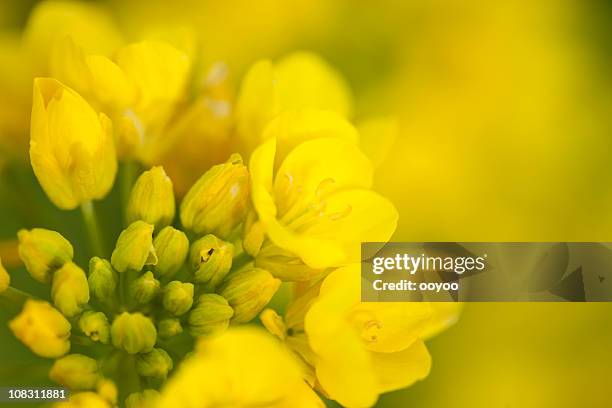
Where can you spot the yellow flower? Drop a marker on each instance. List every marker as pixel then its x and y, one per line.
pixel 223 372
pixel 42 329
pixel 299 80
pixel 70 290
pixel 86 399
pixel 364 349
pixel 311 191
pixel 5 278
pixel 71 147
pixel 76 372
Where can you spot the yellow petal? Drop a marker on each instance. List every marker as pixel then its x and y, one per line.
pixel 305 80
pixel 317 168
pixel 293 127
pixel 377 137
pixel 90 25
pixel 403 368
pixel 261 168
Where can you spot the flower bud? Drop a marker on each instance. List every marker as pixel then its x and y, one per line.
pixel 134 248
pixel 76 372
pixel 133 332
pixel 102 279
pixel 211 314
pixel 253 234
pixel 169 327
pixel 156 364
pixel 178 297
pixel 43 251
pixel 107 389
pixel 275 324
pixel 248 291
pixel 144 399
pixel 95 326
pixel 211 260
pixel 171 247
pixel 152 199
pixel 218 201
pixel 70 291
pixel 72 149
pixel 42 329
pixel 5 278
pixel 144 288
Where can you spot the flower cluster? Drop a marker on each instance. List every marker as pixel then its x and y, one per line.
pixel 168 317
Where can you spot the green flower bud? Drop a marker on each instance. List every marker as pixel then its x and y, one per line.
pixel 211 314
pixel 102 279
pixel 69 290
pixel 134 248
pixel 169 327
pixel 144 399
pixel 156 364
pixel 95 326
pixel 76 372
pixel 171 247
pixel 133 332
pixel 43 251
pixel 152 199
pixel 253 234
pixel 218 201
pixel 144 289
pixel 178 297
pixel 211 260
pixel 248 292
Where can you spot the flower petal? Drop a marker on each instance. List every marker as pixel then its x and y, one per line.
pixel 401 369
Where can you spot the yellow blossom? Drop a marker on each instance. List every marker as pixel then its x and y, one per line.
pixel 5 278
pixel 311 191
pixel 42 329
pixel 71 147
pixel 364 349
pixel 70 290
pixel 299 80
pixel 223 372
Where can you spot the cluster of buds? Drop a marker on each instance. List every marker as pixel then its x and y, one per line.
pixel 161 285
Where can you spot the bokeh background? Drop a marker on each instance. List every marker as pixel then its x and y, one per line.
pixel 505 113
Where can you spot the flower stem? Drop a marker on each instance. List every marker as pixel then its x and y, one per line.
pixel 14 296
pixel 128 175
pixel 91 224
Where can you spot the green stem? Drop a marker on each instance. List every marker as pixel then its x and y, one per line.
pixel 122 288
pixel 16 296
pixel 93 230
pixel 128 175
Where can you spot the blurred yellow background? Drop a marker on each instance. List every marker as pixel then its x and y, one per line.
pixel 505 114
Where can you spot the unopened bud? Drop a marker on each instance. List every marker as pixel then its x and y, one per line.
pixel 5 278
pixel 134 248
pixel 43 251
pixel 70 290
pixel 248 292
pixel 274 323
pixel 133 332
pixel 76 372
pixel 169 327
pixel 144 399
pixel 102 279
pixel 171 247
pixel 144 288
pixel 156 364
pixel 253 234
pixel 107 389
pixel 152 199
pixel 211 314
pixel 218 201
pixel 178 297
pixel 42 329
pixel 95 326
pixel 211 260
